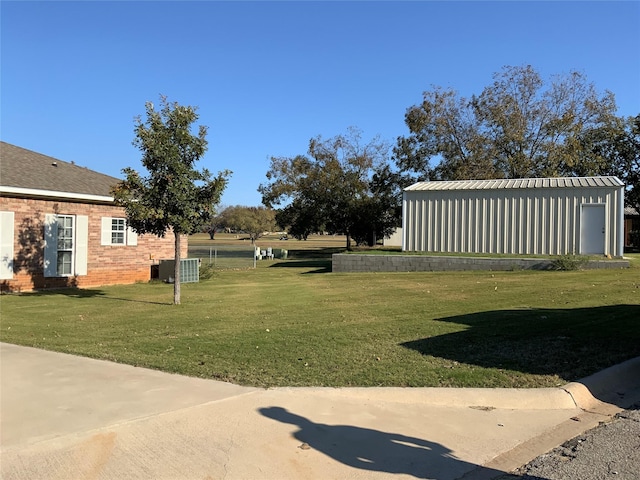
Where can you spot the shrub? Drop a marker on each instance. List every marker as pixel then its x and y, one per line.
pixel 569 262
pixel 207 271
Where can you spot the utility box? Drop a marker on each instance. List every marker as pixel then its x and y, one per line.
pixel 189 270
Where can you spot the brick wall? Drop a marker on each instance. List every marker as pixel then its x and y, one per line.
pixel 107 264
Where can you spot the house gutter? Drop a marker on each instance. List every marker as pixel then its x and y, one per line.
pixel 30 192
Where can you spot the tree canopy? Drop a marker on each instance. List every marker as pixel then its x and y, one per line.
pixel 332 189
pixel 626 160
pixel 615 150
pixel 255 221
pixel 518 127
pixel 174 195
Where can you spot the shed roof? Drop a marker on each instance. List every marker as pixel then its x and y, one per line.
pixel 23 170
pixel 518 183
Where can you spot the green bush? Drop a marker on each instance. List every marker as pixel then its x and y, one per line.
pixel 207 271
pixel 569 262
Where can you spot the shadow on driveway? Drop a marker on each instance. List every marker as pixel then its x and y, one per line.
pixel 374 450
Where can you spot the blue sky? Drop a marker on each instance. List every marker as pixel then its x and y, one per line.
pixel 268 76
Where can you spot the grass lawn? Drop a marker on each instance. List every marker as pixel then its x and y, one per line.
pixel 293 323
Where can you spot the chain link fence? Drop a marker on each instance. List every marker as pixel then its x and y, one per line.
pixel 223 257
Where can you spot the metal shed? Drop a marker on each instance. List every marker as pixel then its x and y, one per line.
pixel 530 216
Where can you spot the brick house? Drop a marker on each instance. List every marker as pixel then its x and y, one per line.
pixel 59 227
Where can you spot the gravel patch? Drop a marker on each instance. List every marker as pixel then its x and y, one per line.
pixel 608 451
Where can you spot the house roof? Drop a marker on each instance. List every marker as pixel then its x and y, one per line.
pixel 26 172
pixel 517 183
pixel 631 211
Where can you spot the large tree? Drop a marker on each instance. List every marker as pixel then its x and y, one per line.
pixel 615 150
pixel 626 160
pixel 215 222
pixel 331 188
pixel 255 221
pixel 517 127
pixel 175 196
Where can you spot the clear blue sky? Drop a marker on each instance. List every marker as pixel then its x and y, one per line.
pixel 268 76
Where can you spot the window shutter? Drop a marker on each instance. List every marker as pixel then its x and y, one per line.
pixel 105 236
pixel 50 246
pixel 6 245
pixel 82 244
pixel 132 237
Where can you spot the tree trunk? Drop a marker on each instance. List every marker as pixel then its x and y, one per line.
pixel 176 271
pixel 348 242
pixel 372 240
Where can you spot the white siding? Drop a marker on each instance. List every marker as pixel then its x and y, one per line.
pixel 543 220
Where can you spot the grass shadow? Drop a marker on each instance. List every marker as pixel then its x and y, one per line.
pixel 316 253
pixel 570 343
pixel 137 301
pixel 84 293
pixel 73 292
pixel 320 266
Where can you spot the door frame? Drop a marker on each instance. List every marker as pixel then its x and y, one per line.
pixel 583 232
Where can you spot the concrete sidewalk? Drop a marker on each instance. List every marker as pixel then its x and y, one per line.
pixel 66 417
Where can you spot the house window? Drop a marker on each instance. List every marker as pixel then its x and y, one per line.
pixel 118 229
pixel 116 232
pixel 65 245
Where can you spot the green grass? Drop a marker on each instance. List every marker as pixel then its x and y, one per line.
pixel 291 323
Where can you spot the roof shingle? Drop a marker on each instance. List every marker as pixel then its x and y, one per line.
pixel 22 168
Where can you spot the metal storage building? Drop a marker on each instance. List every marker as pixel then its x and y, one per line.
pixel 534 216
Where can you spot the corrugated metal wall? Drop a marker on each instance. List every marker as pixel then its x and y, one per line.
pixel 543 221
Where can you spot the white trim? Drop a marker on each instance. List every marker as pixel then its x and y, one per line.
pixel 621 209
pixel 106 229
pixel 132 237
pixel 105 234
pixel 6 245
pixel 31 192
pixel 81 249
pixel 50 245
pixel 584 232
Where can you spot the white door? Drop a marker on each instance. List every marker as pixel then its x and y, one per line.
pixel 592 229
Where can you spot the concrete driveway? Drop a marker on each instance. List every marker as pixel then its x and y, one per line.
pixel 67 417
